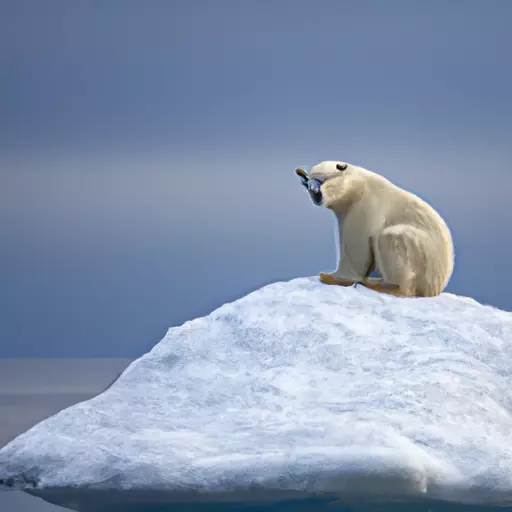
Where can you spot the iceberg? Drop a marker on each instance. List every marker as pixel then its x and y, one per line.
pixel 297 391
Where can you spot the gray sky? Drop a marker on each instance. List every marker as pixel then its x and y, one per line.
pixel 147 151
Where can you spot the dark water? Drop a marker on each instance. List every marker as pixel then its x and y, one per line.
pixel 31 390
pixel 138 502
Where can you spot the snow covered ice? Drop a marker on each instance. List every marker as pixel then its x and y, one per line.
pixel 298 389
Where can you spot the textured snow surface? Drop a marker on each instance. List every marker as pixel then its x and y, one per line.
pixel 298 387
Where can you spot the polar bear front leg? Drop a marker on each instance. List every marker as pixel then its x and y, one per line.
pixel 356 263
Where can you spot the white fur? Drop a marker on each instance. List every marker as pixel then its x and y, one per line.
pixel 407 239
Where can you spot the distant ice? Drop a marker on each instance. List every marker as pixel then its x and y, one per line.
pixel 297 389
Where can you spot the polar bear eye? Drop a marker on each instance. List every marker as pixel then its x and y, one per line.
pixel 341 167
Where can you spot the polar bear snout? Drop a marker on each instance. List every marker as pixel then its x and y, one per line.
pixel 302 174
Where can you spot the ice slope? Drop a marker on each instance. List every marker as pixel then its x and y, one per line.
pixel 297 389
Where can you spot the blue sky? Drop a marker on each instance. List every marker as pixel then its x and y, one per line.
pixel 147 151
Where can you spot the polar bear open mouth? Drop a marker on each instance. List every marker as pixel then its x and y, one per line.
pixel 315 190
pixel 313 186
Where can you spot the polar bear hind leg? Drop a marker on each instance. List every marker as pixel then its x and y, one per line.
pixel 400 254
pixel 379 285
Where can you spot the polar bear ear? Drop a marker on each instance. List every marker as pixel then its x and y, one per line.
pixel 341 167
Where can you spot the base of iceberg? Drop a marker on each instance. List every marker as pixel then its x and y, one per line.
pixel 297 395
pixel 159 501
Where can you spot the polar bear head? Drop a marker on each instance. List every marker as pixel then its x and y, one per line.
pixel 341 183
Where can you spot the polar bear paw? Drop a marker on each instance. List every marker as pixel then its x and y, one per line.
pixel 333 279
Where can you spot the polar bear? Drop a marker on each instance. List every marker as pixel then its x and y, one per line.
pixel 382 227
